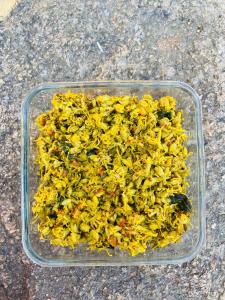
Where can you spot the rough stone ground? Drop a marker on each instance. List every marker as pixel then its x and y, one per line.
pixel 54 40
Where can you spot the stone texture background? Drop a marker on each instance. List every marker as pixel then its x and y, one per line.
pixel 54 40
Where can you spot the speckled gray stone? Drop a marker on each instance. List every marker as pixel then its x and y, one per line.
pixel 54 40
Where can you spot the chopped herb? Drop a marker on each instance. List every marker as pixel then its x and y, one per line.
pixel 71 156
pixel 93 151
pixel 53 215
pixel 61 198
pixel 182 201
pixel 66 147
pixel 164 114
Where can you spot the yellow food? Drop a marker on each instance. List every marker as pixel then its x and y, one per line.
pixel 112 172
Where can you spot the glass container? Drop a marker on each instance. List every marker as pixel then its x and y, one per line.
pixel 39 100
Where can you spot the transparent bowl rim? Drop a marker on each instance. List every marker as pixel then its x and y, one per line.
pixel 31 253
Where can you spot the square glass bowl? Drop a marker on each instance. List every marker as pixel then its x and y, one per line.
pixel 39 100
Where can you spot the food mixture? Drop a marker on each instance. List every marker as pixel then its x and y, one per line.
pixel 112 173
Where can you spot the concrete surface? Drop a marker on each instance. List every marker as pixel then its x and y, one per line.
pixel 54 40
